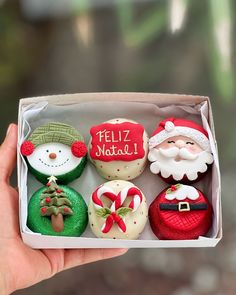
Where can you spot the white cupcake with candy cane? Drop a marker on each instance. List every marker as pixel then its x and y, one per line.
pixel 118 210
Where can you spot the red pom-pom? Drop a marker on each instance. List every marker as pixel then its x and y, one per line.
pixel 79 149
pixel 27 148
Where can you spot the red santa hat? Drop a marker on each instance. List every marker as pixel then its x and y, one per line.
pixel 171 127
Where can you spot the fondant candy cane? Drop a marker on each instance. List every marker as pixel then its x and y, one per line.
pixel 118 201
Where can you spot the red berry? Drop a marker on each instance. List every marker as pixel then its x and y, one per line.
pixel 27 148
pixel 43 210
pixel 173 188
pixel 59 191
pixel 48 184
pixel 66 209
pixel 48 200
pixel 79 149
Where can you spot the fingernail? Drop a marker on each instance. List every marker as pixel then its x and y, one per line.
pixel 9 129
pixel 122 250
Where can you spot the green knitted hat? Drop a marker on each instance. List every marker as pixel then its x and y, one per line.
pixel 55 132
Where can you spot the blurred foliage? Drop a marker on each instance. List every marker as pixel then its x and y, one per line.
pixel 14 58
pixel 144 30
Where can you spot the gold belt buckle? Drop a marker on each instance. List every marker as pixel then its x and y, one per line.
pixel 183 206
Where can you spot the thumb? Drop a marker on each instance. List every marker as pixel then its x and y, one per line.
pixel 8 153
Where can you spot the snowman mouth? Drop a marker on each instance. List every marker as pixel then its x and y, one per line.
pixel 54 166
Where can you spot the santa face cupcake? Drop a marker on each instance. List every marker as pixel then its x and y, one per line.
pixel 55 149
pixel 117 210
pixel 179 150
pixel 118 149
pixel 180 212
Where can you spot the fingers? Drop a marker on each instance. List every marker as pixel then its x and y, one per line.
pixel 8 153
pixel 82 256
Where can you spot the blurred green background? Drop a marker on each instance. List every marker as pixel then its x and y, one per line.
pixel 175 46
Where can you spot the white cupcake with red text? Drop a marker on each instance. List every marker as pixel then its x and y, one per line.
pixel 118 149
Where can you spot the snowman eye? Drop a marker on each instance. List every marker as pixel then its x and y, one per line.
pixel 59 151
pixel 171 141
pixel 47 151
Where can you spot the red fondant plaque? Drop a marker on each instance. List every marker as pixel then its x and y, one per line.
pixel 117 142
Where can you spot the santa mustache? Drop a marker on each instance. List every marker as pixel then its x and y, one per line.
pixel 174 152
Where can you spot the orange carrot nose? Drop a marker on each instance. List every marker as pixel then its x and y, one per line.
pixel 52 156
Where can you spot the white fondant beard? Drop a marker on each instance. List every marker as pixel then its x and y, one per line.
pixel 64 162
pixel 168 166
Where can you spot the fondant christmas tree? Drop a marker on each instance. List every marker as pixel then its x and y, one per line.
pixel 55 204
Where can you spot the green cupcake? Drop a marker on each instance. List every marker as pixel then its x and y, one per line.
pixel 57 211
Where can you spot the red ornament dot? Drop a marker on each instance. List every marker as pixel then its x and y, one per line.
pixel 43 210
pixel 48 184
pixel 66 210
pixel 48 200
pixel 59 191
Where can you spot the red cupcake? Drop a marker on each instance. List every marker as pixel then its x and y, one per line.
pixel 180 212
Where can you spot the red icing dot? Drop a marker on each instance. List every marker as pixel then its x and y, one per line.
pixel 43 210
pixel 27 148
pixel 79 149
pixel 59 191
pixel 48 184
pixel 48 200
pixel 66 209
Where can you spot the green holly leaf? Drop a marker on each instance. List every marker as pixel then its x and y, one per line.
pixel 103 212
pixel 173 188
pixel 123 211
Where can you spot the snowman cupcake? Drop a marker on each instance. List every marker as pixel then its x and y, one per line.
pixel 118 210
pixel 118 149
pixel 55 149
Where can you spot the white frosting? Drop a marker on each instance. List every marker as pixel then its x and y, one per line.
pixel 183 192
pixel 135 221
pixel 177 169
pixel 64 162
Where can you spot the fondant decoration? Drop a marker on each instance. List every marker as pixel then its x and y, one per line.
pixel 55 149
pixel 117 210
pixel 118 149
pixel 179 150
pixel 180 212
pixel 57 210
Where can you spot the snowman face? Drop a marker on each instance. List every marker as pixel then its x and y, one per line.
pixel 53 159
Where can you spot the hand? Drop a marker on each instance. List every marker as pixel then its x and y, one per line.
pixel 21 266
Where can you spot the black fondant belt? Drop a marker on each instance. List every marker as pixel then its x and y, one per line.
pixel 183 206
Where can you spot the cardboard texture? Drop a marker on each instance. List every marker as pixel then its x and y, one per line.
pixel 83 111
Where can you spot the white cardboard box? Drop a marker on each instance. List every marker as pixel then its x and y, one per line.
pixel 86 109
